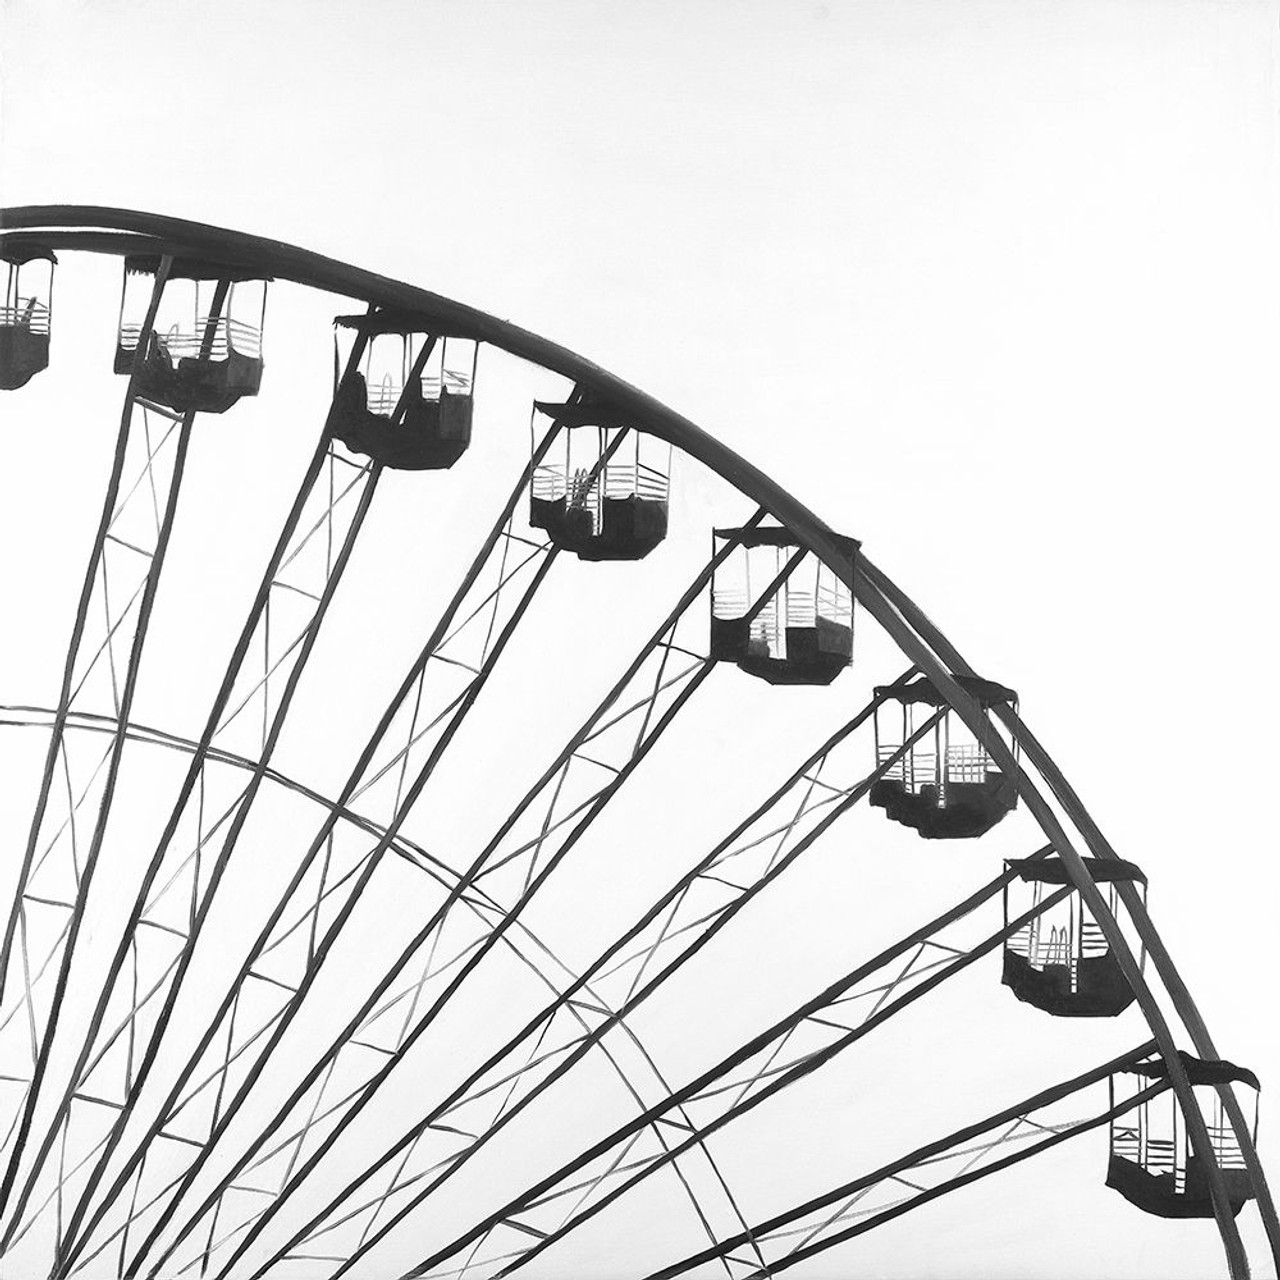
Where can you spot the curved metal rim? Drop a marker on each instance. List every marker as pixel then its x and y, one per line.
pixel 93 228
pixel 121 231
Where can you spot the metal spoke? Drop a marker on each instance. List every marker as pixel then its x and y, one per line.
pixel 368 762
pixel 551 783
pixel 78 1044
pixel 706 1087
pixel 165 853
pixel 816 1235
pixel 734 846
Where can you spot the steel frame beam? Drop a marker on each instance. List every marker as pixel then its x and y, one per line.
pixel 932 1150
pixel 777 1033
pixel 117 231
pixel 473 874
pixel 242 807
pixel 74 1246
pixel 596 970
pixel 151 585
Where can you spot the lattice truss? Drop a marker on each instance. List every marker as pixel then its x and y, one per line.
pixel 196 1116
pixel 680 1124
pixel 161 935
pixel 978 1150
pixel 140 1214
pixel 77 792
pixel 586 1012
pixel 522 853
pixel 81 1190
pixel 117 1202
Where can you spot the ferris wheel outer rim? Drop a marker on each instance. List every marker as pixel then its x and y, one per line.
pixel 116 231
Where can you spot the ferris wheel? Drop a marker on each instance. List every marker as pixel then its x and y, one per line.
pixel 430 826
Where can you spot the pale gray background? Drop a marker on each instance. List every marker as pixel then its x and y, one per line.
pixel 1025 249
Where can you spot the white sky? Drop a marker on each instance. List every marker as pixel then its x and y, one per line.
pixel 990 286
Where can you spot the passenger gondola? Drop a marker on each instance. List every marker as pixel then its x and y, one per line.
pixel 26 315
pixel 407 403
pixel 945 786
pixel 203 352
pixel 1152 1162
pixel 1061 961
pixel 603 492
pixel 779 612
